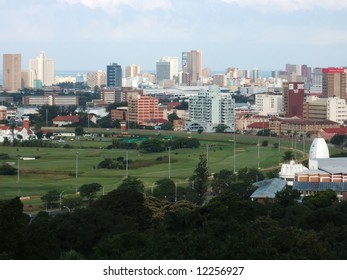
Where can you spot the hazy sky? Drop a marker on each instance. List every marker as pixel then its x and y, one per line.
pixel 263 34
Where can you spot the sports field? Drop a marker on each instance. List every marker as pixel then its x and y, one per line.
pixel 67 168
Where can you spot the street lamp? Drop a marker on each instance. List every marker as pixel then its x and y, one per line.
pixel 18 157
pixel 169 162
pixel 127 164
pixel 175 192
pixel 76 170
pixel 60 196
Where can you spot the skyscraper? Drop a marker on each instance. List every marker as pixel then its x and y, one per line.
pixel 334 82
pixel 114 75
pixel 132 71
pixel 12 70
pixel 41 71
pixel 194 66
pixel 167 68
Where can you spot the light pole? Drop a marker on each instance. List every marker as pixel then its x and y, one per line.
pixel 76 170
pixel 169 162
pixel 60 197
pixel 175 192
pixel 18 190
pixel 234 152
pixel 207 155
pixel 127 164
pixel 258 152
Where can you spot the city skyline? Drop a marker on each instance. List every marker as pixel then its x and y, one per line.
pixel 90 34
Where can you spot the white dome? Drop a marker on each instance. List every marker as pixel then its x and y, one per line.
pixel 319 149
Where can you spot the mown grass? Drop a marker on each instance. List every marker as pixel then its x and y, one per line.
pixel 55 168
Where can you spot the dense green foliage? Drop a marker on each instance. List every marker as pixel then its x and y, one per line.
pixel 125 224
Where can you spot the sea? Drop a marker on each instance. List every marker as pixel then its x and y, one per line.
pixel 75 73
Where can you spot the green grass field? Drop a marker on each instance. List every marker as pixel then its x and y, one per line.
pixel 55 168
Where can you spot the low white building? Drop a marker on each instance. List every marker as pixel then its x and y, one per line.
pixel 288 171
pixel 19 133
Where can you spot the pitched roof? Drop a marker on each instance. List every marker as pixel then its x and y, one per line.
pixel 268 188
pixel 259 125
pixel 73 119
pixel 308 122
pixel 339 130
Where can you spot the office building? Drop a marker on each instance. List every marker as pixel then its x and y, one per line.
pixel 331 108
pixel 210 108
pixel 114 75
pixel 219 80
pixel 41 71
pixel 293 99
pixel 132 71
pixel 334 82
pixel 96 79
pixel 12 71
pixel 167 68
pixel 268 104
pixel 194 66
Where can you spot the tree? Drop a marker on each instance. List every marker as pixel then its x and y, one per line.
pixel 338 139
pixel 51 198
pixel 165 189
pixel 7 169
pixel 132 184
pixel 220 128
pixel 199 179
pixel 288 155
pixel 321 200
pixel 89 190
pixel 222 181
pixel 287 196
pixel 79 131
pixel 172 117
pixel 250 175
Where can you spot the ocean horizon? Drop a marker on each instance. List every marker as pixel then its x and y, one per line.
pixel 74 73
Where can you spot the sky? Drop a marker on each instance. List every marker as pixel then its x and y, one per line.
pixel 262 34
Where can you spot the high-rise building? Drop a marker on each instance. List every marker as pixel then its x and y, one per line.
pixel 41 71
pixel 167 68
pixel 194 66
pixel 334 82
pixel 210 108
pixel 132 71
pixel 293 99
pixel 114 75
pixel 293 69
pixel 12 71
pixel 97 78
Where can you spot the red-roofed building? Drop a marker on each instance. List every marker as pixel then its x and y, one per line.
pixel 257 126
pixel 328 133
pixel 66 120
pixel 19 133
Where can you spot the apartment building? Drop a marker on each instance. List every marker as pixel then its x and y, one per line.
pixel 144 108
pixel 210 108
pixel 268 104
pixel 12 71
pixel 334 82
